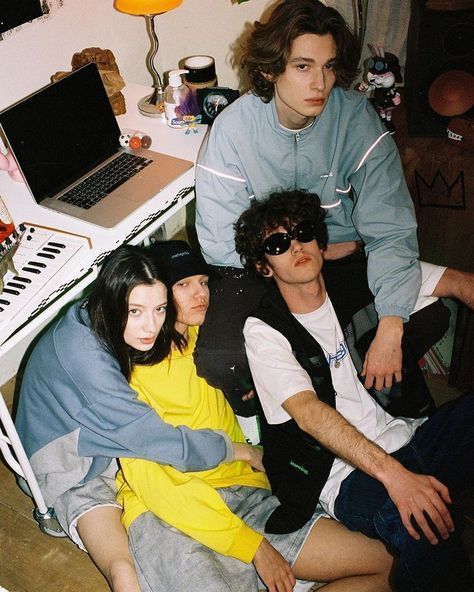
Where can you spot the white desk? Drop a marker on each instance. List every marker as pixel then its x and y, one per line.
pixel 134 229
pixel 62 290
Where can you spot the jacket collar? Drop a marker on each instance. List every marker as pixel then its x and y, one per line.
pixel 276 125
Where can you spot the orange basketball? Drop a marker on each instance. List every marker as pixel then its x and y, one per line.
pixel 135 143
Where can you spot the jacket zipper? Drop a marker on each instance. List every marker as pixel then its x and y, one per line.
pixel 295 159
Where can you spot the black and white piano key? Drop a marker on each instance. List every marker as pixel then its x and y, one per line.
pixel 42 254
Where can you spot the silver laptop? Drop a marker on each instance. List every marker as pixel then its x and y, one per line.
pixel 65 139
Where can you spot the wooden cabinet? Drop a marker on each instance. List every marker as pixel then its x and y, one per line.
pixel 440 176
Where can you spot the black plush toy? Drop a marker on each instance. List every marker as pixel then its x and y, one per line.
pixel 382 73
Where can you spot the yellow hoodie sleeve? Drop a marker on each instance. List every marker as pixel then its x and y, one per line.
pixel 189 504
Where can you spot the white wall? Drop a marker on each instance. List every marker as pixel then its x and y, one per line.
pixel 210 26
pixel 206 27
pixel 31 55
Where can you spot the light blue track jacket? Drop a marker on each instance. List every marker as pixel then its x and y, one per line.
pixel 346 156
pixel 77 411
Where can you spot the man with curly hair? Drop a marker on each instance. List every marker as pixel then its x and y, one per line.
pixel 301 128
pixel 325 438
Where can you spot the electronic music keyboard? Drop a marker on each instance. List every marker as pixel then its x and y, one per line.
pixel 44 256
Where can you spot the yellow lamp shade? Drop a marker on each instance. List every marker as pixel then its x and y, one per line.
pixel 146 6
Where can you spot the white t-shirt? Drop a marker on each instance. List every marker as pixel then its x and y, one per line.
pixel 278 376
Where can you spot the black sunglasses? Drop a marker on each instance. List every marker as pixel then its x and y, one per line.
pixel 279 243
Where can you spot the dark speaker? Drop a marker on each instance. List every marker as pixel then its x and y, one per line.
pixel 439 41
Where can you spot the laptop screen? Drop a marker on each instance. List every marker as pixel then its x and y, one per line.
pixel 61 132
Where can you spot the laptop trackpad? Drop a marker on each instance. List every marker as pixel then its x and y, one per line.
pixel 161 172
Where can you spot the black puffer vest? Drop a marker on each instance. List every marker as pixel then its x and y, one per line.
pixel 296 464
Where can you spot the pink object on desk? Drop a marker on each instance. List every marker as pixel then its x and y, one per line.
pixel 7 163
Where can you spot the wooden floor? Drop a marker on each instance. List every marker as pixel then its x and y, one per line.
pixel 33 562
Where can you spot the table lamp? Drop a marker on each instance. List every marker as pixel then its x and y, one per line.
pixel 151 105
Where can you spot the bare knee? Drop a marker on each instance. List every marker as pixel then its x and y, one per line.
pixel 122 575
pixel 105 539
pixel 332 553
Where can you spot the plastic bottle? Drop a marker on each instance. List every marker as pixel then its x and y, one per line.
pixel 176 94
pixel 6 222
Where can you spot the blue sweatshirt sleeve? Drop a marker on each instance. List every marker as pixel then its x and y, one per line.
pixel 222 195
pixel 77 385
pixel 384 217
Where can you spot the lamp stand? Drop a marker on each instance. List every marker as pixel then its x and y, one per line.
pixel 152 105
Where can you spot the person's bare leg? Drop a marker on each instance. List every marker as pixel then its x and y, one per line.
pixel 456 284
pixel 106 541
pixel 348 561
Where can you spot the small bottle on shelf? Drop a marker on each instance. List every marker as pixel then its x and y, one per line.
pixel 6 222
pixel 176 94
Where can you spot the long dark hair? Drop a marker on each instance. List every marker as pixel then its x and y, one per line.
pixel 268 47
pixel 121 272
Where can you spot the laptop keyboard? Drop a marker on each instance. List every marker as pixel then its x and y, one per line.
pixel 90 191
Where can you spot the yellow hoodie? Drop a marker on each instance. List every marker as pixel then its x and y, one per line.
pixel 188 501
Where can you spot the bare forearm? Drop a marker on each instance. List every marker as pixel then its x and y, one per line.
pixel 273 569
pixel 340 250
pixel 392 326
pixel 414 495
pixel 333 431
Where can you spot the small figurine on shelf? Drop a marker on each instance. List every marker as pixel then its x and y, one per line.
pixel 382 73
pixel 190 122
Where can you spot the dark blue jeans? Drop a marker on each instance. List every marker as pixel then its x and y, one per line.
pixel 444 448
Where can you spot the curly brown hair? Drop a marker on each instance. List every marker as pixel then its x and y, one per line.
pixel 268 47
pixel 281 208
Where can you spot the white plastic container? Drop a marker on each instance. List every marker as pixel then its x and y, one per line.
pixel 175 94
